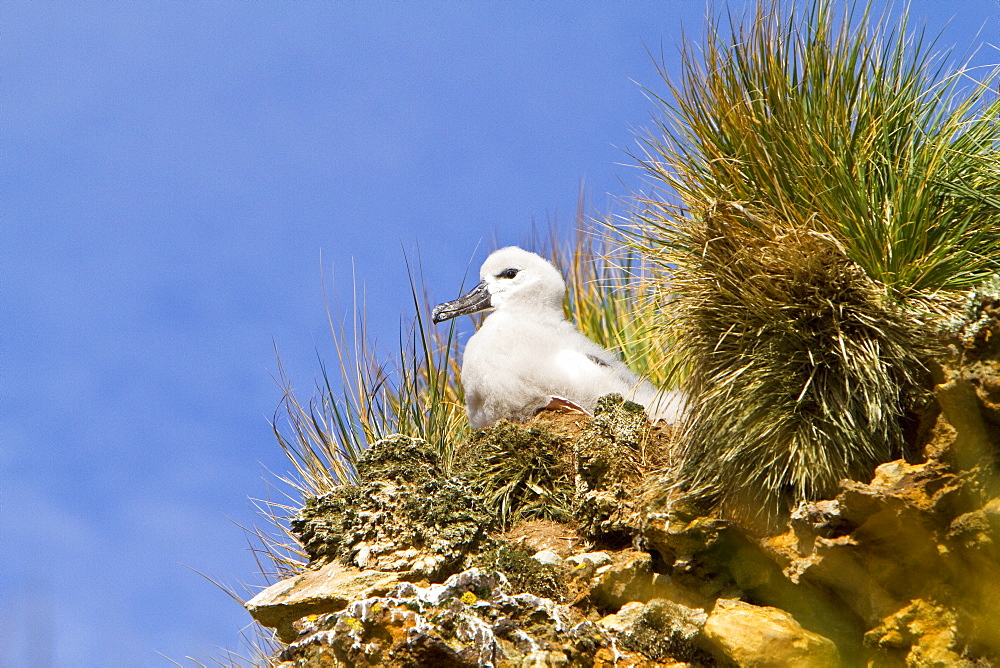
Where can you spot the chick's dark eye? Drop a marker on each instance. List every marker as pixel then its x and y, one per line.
pixel 508 273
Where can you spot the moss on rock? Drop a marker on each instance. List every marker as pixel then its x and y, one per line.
pixel 526 574
pixel 666 630
pixel 521 472
pixel 609 467
pixel 403 514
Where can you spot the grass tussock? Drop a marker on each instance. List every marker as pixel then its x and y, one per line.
pixel 841 125
pixel 806 373
pixel 821 187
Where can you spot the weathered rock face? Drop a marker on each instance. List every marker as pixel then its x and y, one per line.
pixel 917 535
pixel 753 635
pixel 922 634
pixel 409 567
pixel 661 630
pixel 330 588
pixel 469 620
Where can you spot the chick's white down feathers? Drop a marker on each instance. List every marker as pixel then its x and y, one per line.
pixel 526 353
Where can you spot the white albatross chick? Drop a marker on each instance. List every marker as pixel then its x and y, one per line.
pixel 526 355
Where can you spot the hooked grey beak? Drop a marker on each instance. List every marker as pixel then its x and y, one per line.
pixel 475 300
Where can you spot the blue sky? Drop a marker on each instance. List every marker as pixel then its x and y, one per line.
pixel 176 176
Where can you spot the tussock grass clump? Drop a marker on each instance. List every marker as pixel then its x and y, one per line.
pixel 806 372
pixel 822 188
pixel 847 126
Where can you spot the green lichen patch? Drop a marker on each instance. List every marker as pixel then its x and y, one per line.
pixel 327 525
pixel 402 515
pixel 526 574
pixel 665 630
pixel 611 455
pixel 399 459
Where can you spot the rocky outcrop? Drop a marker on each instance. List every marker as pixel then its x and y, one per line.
pixel 753 635
pixel 328 589
pixel 417 566
pixel 470 620
pixel 661 630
